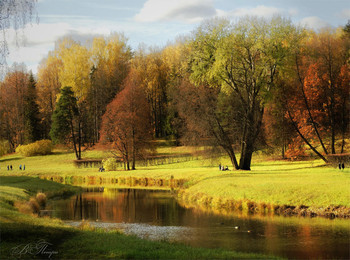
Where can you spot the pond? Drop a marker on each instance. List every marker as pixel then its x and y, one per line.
pixel 157 215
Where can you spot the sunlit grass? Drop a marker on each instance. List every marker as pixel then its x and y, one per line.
pixel 308 183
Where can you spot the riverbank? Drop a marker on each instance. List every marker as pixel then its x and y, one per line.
pixel 29 236
pixel 304 188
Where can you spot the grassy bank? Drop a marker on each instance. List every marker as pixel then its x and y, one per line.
pixel 308 187
pixel 63 242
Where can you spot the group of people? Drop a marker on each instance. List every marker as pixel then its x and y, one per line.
pixel 222 168
pixel 341 166
pixel 9 167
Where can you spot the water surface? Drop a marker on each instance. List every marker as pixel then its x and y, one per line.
pixel 157 215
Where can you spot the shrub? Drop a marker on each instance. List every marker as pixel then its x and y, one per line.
pixel 110 164
pixel 41 199
pixel 34 205
pixel 41 147
pixel 4 147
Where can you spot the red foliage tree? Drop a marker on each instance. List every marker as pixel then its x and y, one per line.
pixel 126 124
pixel 318 101
pixel 12 107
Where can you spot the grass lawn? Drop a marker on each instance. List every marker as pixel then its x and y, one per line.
pixel 308 183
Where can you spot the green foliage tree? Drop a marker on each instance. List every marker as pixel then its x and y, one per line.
pixel 243 59
pixel 66 123
pixel 31 113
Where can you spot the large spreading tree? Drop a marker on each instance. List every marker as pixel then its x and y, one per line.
pixel 242 60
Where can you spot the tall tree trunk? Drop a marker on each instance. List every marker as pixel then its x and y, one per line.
pixel 252 130
pixel 343 124
pixel 133 150
pixel 247 145
pixel 79 140
pixel 74 141
pixel 225 143
pixel 247 152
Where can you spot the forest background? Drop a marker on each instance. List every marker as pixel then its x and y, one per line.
pixel 232 87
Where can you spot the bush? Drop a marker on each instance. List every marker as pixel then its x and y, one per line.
pixel 34 205
pixel 109 164
pixel 41 199
pixel 41 147
pixel 4 147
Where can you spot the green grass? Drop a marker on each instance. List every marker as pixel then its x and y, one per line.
pixel 18 229
pixel 117 245
pixel 32 185
pixel 308 183
pixel 316 187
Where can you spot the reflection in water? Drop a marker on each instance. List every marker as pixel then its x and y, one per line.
pixel 156 214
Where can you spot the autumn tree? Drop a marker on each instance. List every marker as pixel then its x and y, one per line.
pixel 318 101
pixel 75 72
pixel 12 106
pixel 153 73
pixel 211 118
pixel 242 59
pixel 94 71
pixel 126 125
pixel 175 58
pixel 48 87
pixel 66 122
pixel 278 131
pixel 346 29
pixel 111 59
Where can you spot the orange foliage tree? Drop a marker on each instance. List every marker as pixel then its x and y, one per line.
pixel 126 124
pixel 12 106
pixel 318 99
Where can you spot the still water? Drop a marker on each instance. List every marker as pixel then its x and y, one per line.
pixel 157 215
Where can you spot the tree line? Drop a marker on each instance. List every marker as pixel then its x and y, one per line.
pixel 240 87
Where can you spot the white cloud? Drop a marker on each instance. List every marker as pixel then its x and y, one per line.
pixel 293 11
pixel 314 22
pixel 261 11
pixel 38 39
pixel 176 10
pixel 345 14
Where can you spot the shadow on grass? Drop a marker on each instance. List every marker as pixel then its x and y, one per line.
pixel 10 159
pixel 15 237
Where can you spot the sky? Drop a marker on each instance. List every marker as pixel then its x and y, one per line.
pixel 154 22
